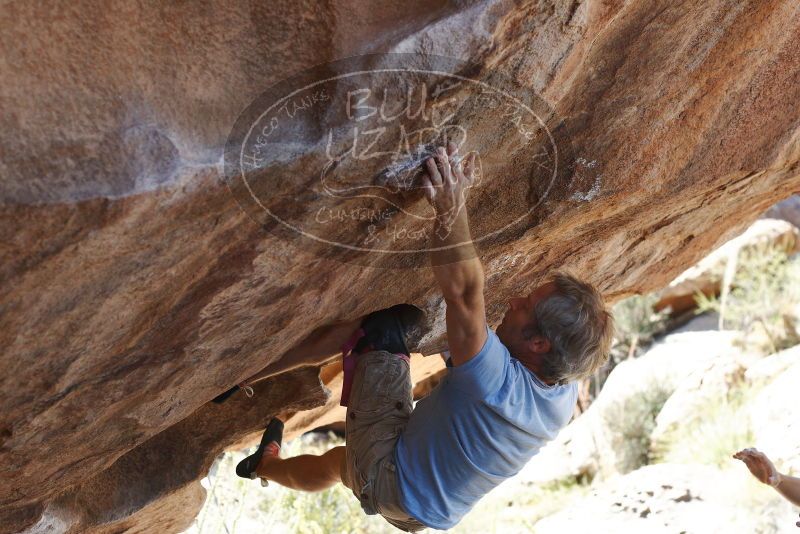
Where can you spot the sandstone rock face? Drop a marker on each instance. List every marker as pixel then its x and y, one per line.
pixel 154 487
pixel 134 289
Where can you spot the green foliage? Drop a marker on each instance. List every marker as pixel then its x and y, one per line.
pixel 716 431
pixel 518 509
pixel 332 510
pixel 636 324
pixel 763 297
pixel 234 505
pixel 632 421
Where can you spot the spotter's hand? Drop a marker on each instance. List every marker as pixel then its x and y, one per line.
pixel 759 465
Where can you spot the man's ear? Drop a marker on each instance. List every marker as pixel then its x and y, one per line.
pixel 539 344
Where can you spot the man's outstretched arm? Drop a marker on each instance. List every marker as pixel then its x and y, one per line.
pixel 764 470
pixel 789 487
pixel 455 262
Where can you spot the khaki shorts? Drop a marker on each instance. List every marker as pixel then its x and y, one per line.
pixel 379 407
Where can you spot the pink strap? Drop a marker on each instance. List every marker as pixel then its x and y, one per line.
pixel 273 449
pixel 348 345
pixel 349 365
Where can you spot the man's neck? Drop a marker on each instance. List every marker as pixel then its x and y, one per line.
pixel 533 364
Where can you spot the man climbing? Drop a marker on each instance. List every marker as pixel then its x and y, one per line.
pixel 504 396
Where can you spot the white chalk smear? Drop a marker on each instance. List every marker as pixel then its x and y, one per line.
pixel 591 194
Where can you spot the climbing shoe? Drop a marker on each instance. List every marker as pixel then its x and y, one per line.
pixel 222 397
pixel 388 329
pixel 270 443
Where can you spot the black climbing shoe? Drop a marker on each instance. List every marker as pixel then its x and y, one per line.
pixel 247 467
pixel 388 329
pixel 222 397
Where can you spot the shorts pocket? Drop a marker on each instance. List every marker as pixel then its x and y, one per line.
pixel 387 501
pixel 367 499
pixel 384 431
pixel 380 379
pixel 378 387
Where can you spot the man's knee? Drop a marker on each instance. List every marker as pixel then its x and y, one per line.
pixel 338 463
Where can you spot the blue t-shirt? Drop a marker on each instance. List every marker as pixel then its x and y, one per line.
pixel 478 427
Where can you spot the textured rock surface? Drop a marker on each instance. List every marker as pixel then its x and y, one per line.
pixel 133 289
pixel 135 492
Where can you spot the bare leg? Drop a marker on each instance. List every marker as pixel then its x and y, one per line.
pixel 307 472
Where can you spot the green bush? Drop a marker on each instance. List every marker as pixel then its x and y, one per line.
pixel 632 421
pixel 763 297
pixel 636 325
pixel 519 510
pixel 234 505
pixel 715 432
pixel 237 506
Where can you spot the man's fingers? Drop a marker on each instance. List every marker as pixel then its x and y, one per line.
pixel 444 167
pixel 755 467
pixel 433 172
pixel 473 166
pixel 469 167
pixel 751 462
pixel 754 457
pixel 761 459
pixel 427 188
pixel 457 166
pixel 452 148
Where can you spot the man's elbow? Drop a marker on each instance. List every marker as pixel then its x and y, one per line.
pixel 475 283
pixel 463 282
pixel 468 293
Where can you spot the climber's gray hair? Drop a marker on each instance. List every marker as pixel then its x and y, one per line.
pixel 579 327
